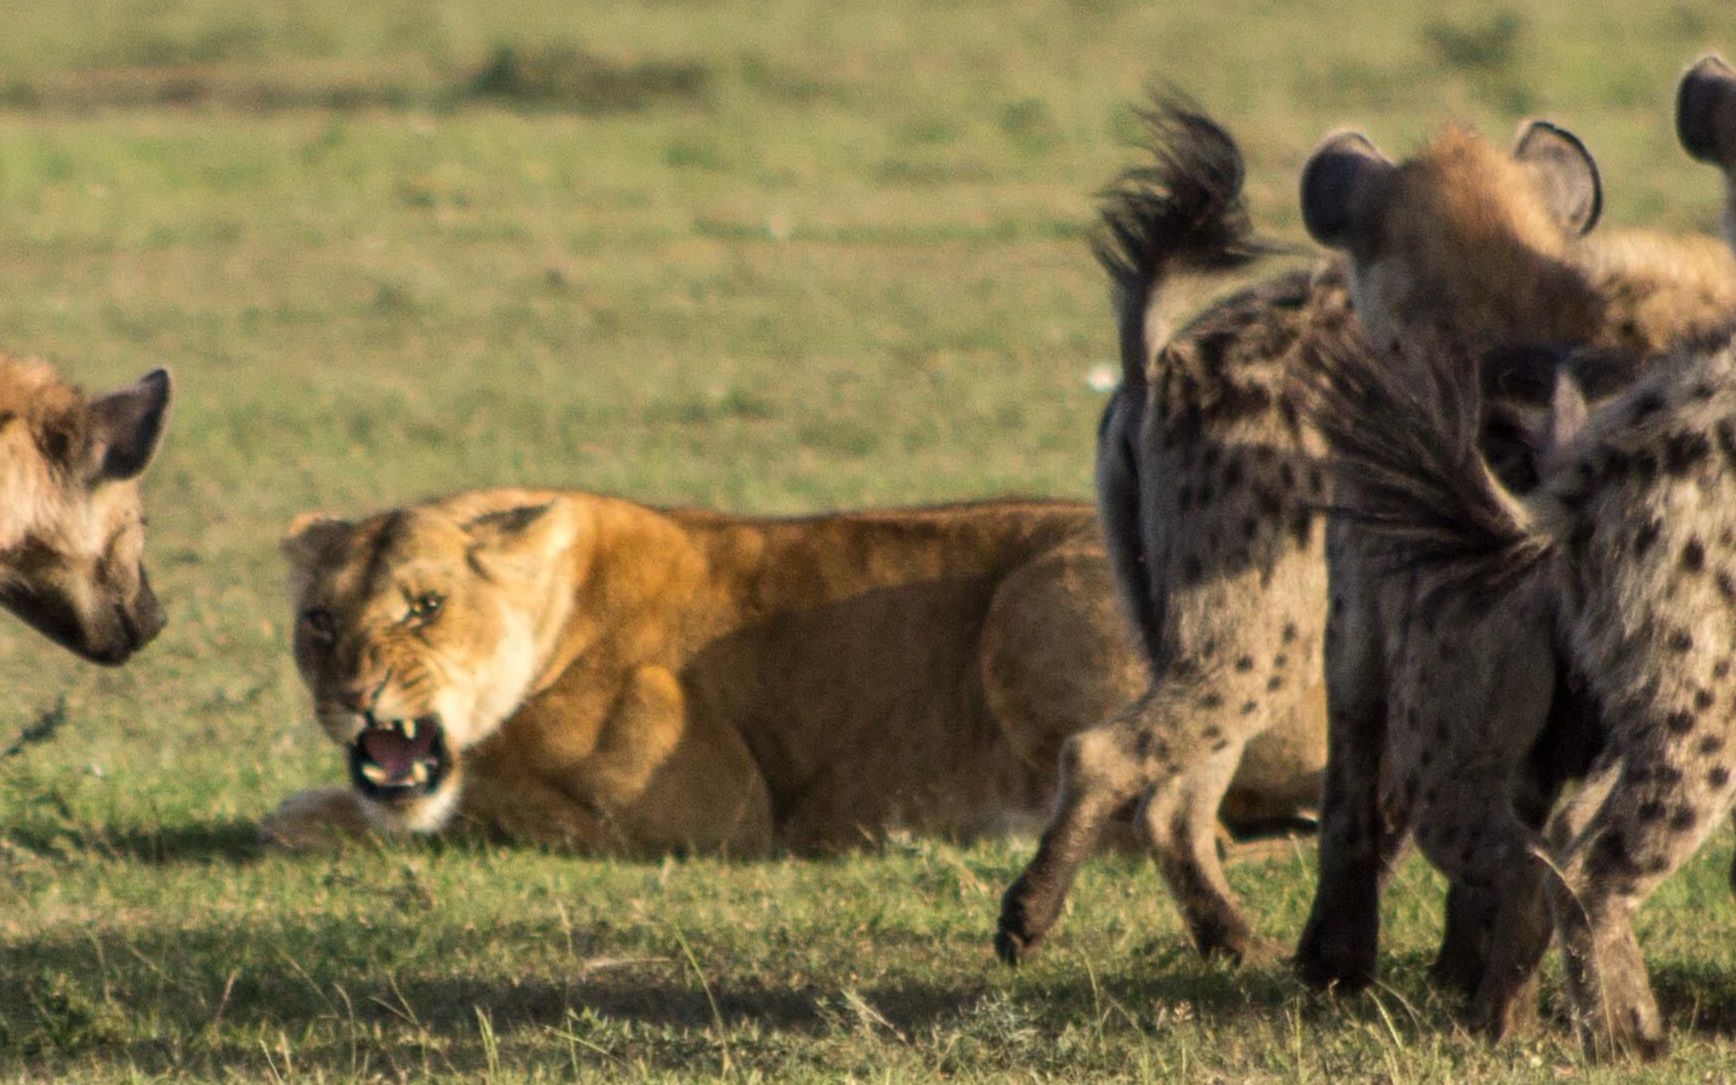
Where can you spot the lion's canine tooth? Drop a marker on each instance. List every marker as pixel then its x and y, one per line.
pixel 375 773
pixel 409 729
pixel 419 773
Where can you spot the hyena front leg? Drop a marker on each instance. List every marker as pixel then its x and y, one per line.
pixel 1101 774
pixel 1674 786
pixel 1357 838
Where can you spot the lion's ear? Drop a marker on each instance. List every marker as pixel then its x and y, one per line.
pixel 523 535
pixel 311 537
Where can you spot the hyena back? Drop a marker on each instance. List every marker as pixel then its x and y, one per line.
pixel 1629 545
pixel 72 535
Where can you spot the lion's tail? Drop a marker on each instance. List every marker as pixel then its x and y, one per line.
pixel 1182 213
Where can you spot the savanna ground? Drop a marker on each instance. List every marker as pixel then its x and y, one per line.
pixel 770 257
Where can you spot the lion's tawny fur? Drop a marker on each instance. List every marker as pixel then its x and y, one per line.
pixel 729 684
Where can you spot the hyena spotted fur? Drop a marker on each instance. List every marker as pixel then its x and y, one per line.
pixel 1207 475
pixel 1403 678
pixel 1209 471
pixel 1209 481
pixel 1706 124
pixel 71 530
pixel 1627 550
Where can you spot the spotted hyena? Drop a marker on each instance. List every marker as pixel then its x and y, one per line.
pixel 1706 124
pixel 71 536
pixel 1627 550
pixel 1626 297
pixel 1210 477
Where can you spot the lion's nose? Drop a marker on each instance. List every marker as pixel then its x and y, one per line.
pixel 361 697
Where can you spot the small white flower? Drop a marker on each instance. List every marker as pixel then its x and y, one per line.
pixel 1102 377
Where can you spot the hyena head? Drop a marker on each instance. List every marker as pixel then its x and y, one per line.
pixel 1462 236
pixel 71 533
pixel 1706 124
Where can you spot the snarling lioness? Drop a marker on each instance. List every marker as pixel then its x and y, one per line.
pixel 584 671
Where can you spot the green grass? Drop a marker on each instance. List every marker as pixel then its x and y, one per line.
pixel 773 258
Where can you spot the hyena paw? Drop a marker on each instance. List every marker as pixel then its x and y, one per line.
pixel 1019 933
pixel 1329 958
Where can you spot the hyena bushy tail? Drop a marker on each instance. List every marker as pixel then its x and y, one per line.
pixel 1183 213
pixel 1404 435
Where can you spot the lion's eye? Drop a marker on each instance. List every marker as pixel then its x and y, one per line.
pixel 425 606
pixel 319 623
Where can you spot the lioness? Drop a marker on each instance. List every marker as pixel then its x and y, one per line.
pixel 589 672
pixel 71 530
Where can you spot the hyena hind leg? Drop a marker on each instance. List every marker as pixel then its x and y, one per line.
pixel 1180 817
pixel 1101 774
pixel 1656 804
pixel 1469 830
pixel 1359 837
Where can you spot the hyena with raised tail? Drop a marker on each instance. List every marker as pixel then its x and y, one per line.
pixel 1485 224
pixel 1627 549
pixel 1210 475
pixel 72 533
pixel 1706 124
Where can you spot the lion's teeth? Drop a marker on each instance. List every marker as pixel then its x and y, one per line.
pixel 375 773
pixel 409 729
pixel 419 773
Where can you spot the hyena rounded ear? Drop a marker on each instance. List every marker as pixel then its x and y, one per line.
pixel 125 427
pixel 1565 172
pixel 1706 111
pixel 312 536
pixel 1341 184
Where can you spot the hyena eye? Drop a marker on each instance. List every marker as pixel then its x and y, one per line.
pixel 319 624
pixel 425 607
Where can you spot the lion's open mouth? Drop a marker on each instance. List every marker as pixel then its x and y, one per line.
pixel 399 760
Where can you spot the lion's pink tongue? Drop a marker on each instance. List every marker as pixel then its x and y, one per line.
pixel 396 754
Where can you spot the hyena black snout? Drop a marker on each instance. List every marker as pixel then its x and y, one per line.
pixel 143 618
pixel 117 627
pixel 100 624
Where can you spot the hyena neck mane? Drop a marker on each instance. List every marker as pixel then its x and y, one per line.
pixel 39 417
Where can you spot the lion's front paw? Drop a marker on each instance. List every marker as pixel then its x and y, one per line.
pixel 314 820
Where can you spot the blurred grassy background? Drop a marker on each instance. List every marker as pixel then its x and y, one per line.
pixel 770 257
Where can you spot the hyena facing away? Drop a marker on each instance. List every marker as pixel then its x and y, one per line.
pixel 1628 548
pixel 1210 476
pixel 71 534
pixel 1706 124
pixel 1205 475
pixel 1402 678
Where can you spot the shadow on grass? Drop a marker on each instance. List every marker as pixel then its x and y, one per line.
pixel 205 842
pixel 395 991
